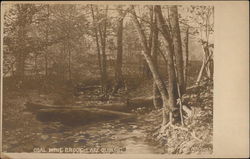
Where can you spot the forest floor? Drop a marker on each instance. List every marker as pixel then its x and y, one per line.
pixel 24 132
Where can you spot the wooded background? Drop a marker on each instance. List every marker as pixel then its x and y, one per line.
pixel 108 45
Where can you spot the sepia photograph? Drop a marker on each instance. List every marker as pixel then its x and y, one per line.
pixel 108 78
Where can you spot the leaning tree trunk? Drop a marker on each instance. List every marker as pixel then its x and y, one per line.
pixel 208 71
pixel 146 53
pixel 203 67
pixel 145 70
pixel 154 52
pixel 174 20
pixel 172 87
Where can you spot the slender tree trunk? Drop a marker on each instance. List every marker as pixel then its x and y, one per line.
pixel 201 71
pixel 205 57
pixel 69 58
pixel 204 65
pixel 103 48
pixel 186 57
pixel 46 63
pixel 97 45
pixel 145 70
pixel 207 47
pixel 65 53
pixel 174 20
pixel 118 67
pixel 172 87
pixel 12 69
pixel 20 64
pixel 151 34
pixel 46 40
pixel 35 67
pixel 206 50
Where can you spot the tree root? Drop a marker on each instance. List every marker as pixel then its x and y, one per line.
pixel 163 129
pixel 194 136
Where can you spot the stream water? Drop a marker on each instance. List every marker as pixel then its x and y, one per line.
pixel 112 134
pixel 73 130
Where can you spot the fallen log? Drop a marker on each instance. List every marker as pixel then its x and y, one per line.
pixel 88 110
pixel 37 106
pixel 87 88
pixel 74 115
pixel 106 106
pixel 80 116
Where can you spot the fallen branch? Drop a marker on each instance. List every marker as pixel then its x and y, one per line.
pixel 194 136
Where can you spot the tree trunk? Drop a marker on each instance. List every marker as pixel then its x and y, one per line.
pixel 145 70
pixel 65 53
pixel 20 65
pixel 206 50
pixel 174 20
pixel 97 44
pixel 46 41
pixel 118 67
pixel 204 65
pixel 172 88
pixel 205 58
pixel 186 58
pixel 35 66
pixel 69 58
pixel 20 54
pixel 46 63
pixel 103 48
pixel 154 52
pixel 146 53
